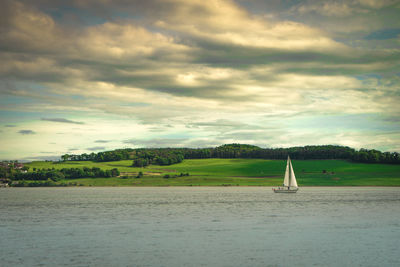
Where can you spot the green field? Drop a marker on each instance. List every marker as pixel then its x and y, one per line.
pixel 234 172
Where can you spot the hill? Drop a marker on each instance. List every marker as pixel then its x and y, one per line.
pixel 243 172
pixel 167 156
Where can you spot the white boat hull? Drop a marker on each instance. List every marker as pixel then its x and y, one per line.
pixel 285 190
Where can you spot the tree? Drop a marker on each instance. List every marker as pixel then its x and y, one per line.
pixel 65 157
pixel 25 168
pixel 115 172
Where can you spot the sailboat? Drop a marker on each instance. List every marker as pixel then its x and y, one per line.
pixel 289 182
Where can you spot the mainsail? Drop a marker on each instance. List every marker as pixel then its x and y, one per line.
pixel 290 178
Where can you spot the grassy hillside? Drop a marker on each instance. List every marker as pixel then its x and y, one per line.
pixel 209 172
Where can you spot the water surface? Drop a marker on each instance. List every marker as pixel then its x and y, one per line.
pixel 199 226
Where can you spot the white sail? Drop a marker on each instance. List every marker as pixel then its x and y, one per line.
pixel 289 182
pixel 287 174
pixel 292 180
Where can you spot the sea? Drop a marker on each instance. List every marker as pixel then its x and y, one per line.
pixel 199 226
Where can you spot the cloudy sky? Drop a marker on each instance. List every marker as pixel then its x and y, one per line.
pixel 85 75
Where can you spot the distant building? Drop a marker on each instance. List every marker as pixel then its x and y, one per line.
pixel 10 164
pixel 18 166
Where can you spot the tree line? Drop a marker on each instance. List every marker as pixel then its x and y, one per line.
pixel 115 155
pixel 65 173
pixel 142 157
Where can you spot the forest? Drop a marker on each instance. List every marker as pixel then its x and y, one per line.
pixel 166 156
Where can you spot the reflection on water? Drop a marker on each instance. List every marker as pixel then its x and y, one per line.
pixel 199 226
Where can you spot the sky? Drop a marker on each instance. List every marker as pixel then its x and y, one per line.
pixel 87 76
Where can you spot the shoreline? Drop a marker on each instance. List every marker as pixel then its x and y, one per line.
pixel 190 186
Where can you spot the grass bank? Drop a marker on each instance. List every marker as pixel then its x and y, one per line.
pixel 236 172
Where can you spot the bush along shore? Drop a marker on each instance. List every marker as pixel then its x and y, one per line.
pixel 50 177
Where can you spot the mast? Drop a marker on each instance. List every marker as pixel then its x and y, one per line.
pixel 290 173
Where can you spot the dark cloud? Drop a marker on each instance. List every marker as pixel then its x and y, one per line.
pixel 160 128
pixel 395 118
pixel 61 120
pixel 96 148
pixel 10 125
pixel 383 34
pixel 26 132
pixel 224 126
pixel 219 123
pixel 102 141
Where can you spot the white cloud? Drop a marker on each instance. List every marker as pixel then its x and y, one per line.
pixel 225 22
pixel 126 42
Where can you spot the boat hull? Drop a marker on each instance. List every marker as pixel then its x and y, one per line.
pixel 285 190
